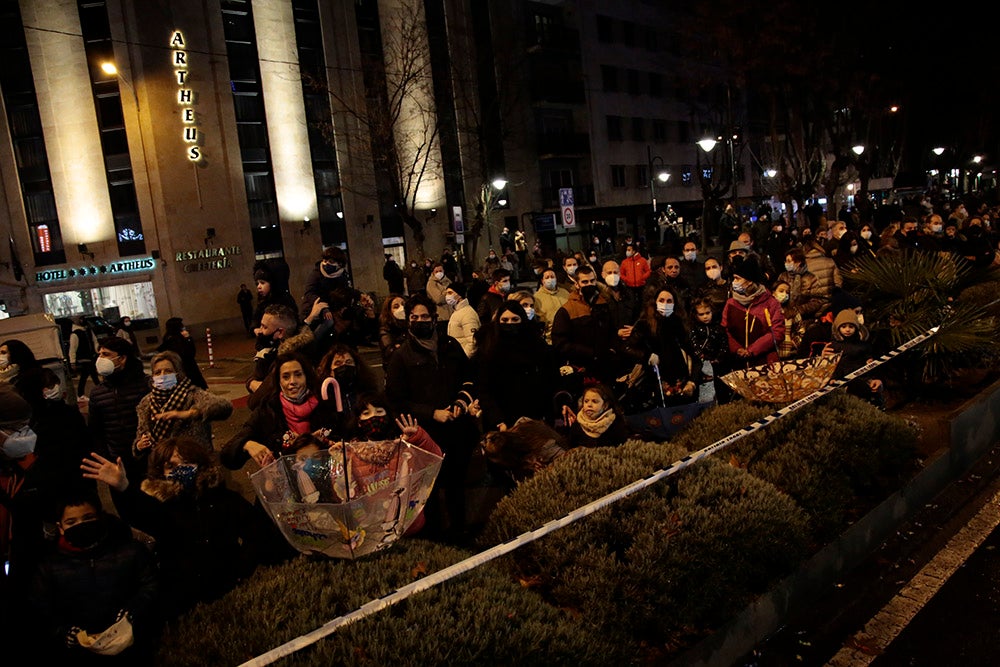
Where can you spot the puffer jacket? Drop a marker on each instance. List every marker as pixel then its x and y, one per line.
pixel 113 419
pixel 747 328
pixel 826 272
pixel 635 270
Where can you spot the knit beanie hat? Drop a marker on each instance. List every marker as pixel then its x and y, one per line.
pixel 748 268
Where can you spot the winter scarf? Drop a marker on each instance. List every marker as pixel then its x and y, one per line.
pixel 595 428
pixel 164 400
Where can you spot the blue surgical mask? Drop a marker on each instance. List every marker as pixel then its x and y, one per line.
pixel 665 309
pixel 549 284
pixel 19 443
pixel 165 381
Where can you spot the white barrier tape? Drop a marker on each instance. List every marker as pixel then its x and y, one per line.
pixel 472 562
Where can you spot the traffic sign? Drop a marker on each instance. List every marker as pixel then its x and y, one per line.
pixel 568 217
pixel 565 197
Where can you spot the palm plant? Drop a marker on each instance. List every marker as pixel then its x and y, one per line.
pixel 907 293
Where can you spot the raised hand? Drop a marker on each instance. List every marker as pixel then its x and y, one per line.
pixel 408 425
pixel 103 470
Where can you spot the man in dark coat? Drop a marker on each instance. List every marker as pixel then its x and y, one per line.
pixel 112 413
pixel 393 276
pixel 330 274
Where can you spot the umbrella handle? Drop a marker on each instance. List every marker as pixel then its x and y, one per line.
pixel 336 392
pixel 659 385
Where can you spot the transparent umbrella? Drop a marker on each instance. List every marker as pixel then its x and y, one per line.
pixel 783 381
pixel 347 502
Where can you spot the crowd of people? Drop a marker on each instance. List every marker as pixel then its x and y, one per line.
pixel 500 372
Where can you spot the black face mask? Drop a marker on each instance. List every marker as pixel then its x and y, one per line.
pixel 375 428
pixel 345 375
pixel 508 330
pixel 85 535
pixel 422 330
pixel 590 294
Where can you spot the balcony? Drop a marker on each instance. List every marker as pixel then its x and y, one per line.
pixel 566 144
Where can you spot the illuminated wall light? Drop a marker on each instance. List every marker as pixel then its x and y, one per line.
pixel 69 122
pixel 43 238
pixel 294 185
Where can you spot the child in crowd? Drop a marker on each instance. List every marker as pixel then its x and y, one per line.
pixel 599 421
pixel 710 346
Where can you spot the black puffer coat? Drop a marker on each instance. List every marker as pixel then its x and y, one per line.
pixel 112 416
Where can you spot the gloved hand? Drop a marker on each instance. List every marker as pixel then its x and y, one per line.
pixel 71 637
pixel 654 359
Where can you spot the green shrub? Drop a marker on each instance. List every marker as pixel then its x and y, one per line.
pixel 482 617
pixel 663 565
pixel 836 457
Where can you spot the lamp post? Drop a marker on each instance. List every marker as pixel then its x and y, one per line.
pixel 489 200
pixel 661 175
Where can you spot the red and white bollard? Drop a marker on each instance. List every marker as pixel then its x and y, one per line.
pixel 208 338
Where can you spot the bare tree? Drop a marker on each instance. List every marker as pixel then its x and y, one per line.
pixel 396 124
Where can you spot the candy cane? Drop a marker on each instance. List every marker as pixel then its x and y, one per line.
pixel 336 392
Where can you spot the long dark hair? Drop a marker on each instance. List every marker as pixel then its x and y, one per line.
pixel 652 319
pixel 312 381
pixel 367 380
pixel 21 354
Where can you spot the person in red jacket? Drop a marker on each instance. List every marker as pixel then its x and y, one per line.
pixel 634 268
pixel 752 317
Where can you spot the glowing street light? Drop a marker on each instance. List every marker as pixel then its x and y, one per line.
pixel 858 149
pixel 770 173
pixel 109 68
pixel 938 150
pixel 707 144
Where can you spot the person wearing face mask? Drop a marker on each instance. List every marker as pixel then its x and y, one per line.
pixel 752 318
pixel 795 326
pixel 95 574
pixel 515 372
pixel 634 268
pixel 584 333
pixel 177 339
pixel 527 301
pixel 279 333
pixel 570 264
pixel 291 403
pixel 392 325
pixel 176 407
pixel 824 267
pixel 549 298
pixel 112 411
pixel 500 287
pixel 660 338
pixel 21 525
pixel 437 283
pixel 867 241
pixel 804 296
pixel 126 331
pixel 208 537
pixel 430 377
pixel 464 321
pixel 491 263
pixel 416 278
pixel 716 287
pixel 692 272
pixel 354 377
pixel 624 302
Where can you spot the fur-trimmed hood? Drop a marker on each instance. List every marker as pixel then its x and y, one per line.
pixel 167 489
pixel 302 338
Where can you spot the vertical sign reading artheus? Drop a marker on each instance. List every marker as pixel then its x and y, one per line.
pixel 185 96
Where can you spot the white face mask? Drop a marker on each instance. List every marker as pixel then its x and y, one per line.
pixel 451 300
pixel 782 297
pixel 789 266
pixel 866 235
pixel 530 312
pixel 549 284
pixel 399 313
pixel 53 393
pixel 104 366
pixel 438 275
pixel 571 270
pixel 612 279
pixel 713 274
pixel 629 253
pixel 691 255
pixel 936 228
pixel 665 309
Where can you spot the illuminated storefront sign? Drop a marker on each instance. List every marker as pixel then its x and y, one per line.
pixel 207 259
pixel 185 96
pixel 113 269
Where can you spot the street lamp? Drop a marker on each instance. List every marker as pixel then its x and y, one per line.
pixel 109 68
pixel 490 199
pixel 858 149
pixel 662 175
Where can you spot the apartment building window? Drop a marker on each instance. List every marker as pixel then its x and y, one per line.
pixel 618 176
pixel 659 130
pixel 641 176
pixel 251 127
pixel 638 129
pixel 605 29
pixel 615 128
pixel 609 78
pixel 26 138
pixel 655 84
pixel 97 44
pixel 634 82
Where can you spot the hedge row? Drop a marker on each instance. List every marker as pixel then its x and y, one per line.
pixel 630 583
